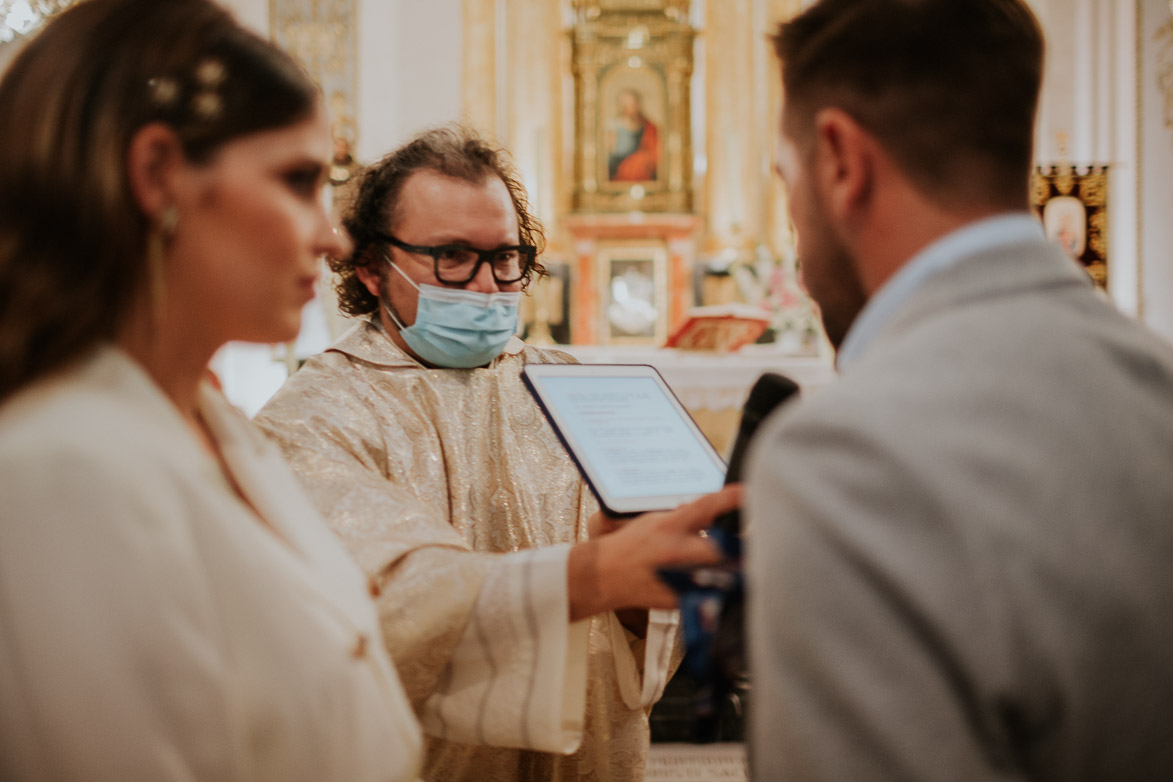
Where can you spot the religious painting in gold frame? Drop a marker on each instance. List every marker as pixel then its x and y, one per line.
pixel 632 64
pixel 633 293
pixel 1073 206
pixel 630 134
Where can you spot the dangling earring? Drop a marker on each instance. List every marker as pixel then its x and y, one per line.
pixel 169 221
pixel 157 240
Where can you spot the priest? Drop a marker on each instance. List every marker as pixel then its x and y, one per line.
pixel 519 630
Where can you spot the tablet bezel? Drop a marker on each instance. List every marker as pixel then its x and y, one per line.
pixel 533 374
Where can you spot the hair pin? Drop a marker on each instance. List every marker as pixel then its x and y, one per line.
pixel 163 90
pixel 207 105
pixel 211 73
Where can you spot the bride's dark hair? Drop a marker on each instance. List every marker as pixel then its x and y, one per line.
pixel 73 242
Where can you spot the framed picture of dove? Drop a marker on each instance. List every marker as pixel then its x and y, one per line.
pixel 633 300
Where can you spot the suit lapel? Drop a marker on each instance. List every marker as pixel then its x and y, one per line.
pixel 310 551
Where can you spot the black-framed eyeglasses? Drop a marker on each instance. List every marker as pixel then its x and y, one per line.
pixel 457 264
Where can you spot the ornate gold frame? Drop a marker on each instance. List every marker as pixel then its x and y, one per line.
pixel 646 45
pixel 1060 191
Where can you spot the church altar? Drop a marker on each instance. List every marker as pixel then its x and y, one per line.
pixel 713 386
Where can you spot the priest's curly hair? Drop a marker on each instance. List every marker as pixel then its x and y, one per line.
pixel 453 150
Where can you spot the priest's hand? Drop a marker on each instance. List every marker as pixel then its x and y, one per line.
pixel 618 569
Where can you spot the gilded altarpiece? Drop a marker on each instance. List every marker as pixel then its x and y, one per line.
pixel 632 62
pixel 632 221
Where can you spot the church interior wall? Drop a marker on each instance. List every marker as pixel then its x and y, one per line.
pixel 1089 114
pixel 409 74
pixel 1103 103
pixel 504 66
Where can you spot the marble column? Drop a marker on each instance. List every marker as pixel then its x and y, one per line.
pixel 744 203
pixel 731 190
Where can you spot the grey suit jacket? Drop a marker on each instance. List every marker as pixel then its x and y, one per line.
pixel 961 553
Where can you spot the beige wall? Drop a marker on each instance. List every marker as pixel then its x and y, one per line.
pixel 409 66
pixel 409 75
pixel 1153 224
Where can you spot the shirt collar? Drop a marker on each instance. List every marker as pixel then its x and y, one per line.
pixel 980 236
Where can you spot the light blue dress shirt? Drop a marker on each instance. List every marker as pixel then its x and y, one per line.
pixel 981 236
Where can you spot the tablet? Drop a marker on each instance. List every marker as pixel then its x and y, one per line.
pixel 633 441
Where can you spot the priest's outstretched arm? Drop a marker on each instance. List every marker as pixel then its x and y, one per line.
pixel 493 640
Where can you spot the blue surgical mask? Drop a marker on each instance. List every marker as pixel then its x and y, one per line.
pixel 458 328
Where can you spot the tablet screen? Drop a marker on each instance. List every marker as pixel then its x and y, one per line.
pixel 632 439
